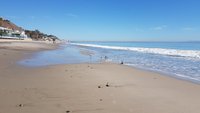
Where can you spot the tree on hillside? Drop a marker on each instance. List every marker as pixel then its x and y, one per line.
pixel 37 31
pixel 1 20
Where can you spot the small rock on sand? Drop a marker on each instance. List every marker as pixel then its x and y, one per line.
pixel 21 105
pixel 107 85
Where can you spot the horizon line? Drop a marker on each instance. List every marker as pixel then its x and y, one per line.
pixel 128 41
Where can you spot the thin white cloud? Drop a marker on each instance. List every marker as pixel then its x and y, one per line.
pixel 32 17
pixel 139 30
pixel 188 29
pixel 72 15
pixel 158 28
pixel 9 17
pixel 46 17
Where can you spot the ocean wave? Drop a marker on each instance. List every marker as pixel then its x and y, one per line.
pixel 169 52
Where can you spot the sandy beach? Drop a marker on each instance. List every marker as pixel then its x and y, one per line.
pixel 87 88
pixel 27 44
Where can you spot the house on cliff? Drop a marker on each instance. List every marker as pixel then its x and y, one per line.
pixel 7 33
pixel 9 30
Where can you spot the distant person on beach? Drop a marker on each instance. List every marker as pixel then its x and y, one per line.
pixel 105 57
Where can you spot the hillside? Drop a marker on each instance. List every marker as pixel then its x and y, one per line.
pixel 10 25
pixel 37 35
pixel 33 34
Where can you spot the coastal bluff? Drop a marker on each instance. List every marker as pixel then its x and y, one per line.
pixel 8 26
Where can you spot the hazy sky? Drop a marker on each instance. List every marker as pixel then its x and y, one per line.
pixel 135 20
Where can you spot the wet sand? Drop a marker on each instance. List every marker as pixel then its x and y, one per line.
pixel 89 88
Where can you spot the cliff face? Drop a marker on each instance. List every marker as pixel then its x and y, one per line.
pixel 35 35
pixel 9 25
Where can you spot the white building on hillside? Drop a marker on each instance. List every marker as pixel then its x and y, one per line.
pixel 12 34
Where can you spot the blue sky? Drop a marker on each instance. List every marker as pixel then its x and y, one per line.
pixel 121 20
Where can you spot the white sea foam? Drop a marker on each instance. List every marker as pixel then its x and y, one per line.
pixel 174 74
pixel 170 52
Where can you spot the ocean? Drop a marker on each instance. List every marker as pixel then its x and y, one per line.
pixel 176 59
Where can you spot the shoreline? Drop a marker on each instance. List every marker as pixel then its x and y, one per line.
pixel 175 76
pixel 90 88
pixel 90 53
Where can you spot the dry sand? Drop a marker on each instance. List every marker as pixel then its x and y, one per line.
pixel 90 88
pixel 26 44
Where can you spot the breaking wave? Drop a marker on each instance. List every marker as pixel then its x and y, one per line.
pixel 169 52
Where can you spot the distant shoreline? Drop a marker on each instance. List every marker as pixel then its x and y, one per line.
pixel 198 41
